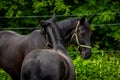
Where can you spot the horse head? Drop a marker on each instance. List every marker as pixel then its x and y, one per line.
pixel 81 35
pixel 78 31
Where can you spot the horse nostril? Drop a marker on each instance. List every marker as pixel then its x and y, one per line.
pixel 88 54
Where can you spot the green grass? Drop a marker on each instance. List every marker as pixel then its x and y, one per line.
pixel 101 66
pixel 4 75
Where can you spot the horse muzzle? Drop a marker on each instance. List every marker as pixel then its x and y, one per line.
pixel 86 53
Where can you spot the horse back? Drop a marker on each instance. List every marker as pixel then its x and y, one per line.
pixel 34 40
pixel 8 39
pixel 43 65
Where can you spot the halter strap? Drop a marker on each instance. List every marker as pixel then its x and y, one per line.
pixel 75 35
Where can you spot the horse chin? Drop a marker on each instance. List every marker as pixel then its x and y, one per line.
pixel 86 53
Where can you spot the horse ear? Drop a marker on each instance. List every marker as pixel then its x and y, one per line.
pixel 91 19
pixel 43 27
pixel 42 24
pixel 82 20
pixel 53 18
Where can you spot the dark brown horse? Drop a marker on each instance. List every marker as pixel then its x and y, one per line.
pixel 49 64
pixel 14 47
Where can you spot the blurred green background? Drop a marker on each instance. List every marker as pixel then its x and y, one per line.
pixel 23 17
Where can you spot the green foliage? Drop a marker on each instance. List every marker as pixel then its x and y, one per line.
pixel 103 65
pixel 4 75
pixel 100 66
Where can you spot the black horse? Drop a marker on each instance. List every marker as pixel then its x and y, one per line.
pixel 14 47
pixel 80 34
pixel 49 64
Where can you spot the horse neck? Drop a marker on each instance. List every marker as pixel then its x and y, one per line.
pixel 66 25
pixel 56 39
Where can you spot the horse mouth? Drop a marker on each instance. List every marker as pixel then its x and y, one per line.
pixel 85 53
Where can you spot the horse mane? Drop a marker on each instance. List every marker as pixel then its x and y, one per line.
pixel 59 46
pixel 67 23
pixel 59 40
pixel 55 36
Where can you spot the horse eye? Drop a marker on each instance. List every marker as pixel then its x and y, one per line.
pixel 82 34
